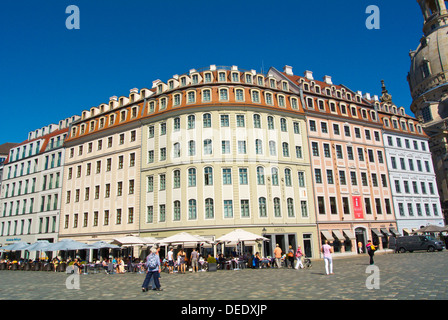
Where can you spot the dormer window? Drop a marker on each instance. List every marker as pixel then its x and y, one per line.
pixel 306 87
pixel 123 115
pixel 222 76
pixel 285 86
pixel 294 103
pixel 309 103
pixel 235 77
pixel 268 97
pixel 272 83
pixel 183 81
pixel 248 78
pixel 208 77
pixel 260 80
pixel 195 79
pixel 281 101
pixel 171 84
pixel 317 89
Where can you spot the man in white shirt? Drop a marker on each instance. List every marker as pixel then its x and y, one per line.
pixel 171 260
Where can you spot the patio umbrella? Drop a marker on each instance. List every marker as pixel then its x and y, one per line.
pixel 182 238
pixel 67 244
pixel 103 245
pixel 40 245
pixel 130 241
pixel 15 246
pixel 240 235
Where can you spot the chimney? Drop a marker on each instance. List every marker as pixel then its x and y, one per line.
pixel 212 67
pixel 288 70
pixel 367 96
pixel 135 90
pixel 309 75
pixel 114 98
pixel 155 82
pixel 327 80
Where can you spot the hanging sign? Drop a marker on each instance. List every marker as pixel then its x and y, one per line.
pixel 357 207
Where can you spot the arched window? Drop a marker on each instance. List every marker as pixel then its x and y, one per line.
pixel 260 175
pixel 277 208
pixel 262 206
pixel 192 177
pixel 176 210
pixel 208 176
pixel 207 120
pixel 192 209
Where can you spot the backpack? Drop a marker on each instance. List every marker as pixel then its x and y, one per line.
pixel 151 263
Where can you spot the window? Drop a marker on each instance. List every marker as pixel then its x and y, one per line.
pixel 290 206
pixel 262 207
pixel 176 210
pixel 270 123
pixel 208 176
pixel 192 209
pixel 272 148
pixel 225 120
pixel 258 146
pixel 239 95
pixel 191 122
pixel 208 146
pixel 243 176
pixel 283 126
pixel 245 208
pixel 241 147
pixel 176 150
pixel 192 177
pixel 240 121
pixel 228 209
pixel 225 146
pixel 209 209
pixel 277 207
pixel 260 175
pixel 301 176
pixel 191 148
pixel 255 96
pixel 176 124
pixel 176 179
pixel 206 95
pixel 223 95
pixel 321 205
pixel 226 176
pixel 191 97
pixel 285 149
pixel 318 175
pixel 207 120
pixel 257 121
pixel 274 176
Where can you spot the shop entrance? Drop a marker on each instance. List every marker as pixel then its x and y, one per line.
pixel 284 240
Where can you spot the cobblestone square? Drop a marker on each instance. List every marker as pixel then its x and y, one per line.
pixel 409 276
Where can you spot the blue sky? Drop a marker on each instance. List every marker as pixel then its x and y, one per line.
pixel 48 72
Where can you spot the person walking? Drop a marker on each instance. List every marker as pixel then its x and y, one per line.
pixel 278 256
pixel 370 250
pixel 299 255
pixel 153 270
pixel 327 251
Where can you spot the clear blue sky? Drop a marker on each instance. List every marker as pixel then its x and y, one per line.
pixel 48 72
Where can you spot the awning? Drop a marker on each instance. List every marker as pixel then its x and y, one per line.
pixel 407 231
pixel 376 232
pixel 339 235
pixel 349 234
pixel 327 235
pixel 386 232
pixel 395 232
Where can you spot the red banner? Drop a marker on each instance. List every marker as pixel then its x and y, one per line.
pixel 357 207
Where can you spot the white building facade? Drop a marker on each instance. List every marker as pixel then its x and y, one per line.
pixel 32 184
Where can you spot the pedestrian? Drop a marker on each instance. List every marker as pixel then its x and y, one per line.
pixel 299 255
pixel 360 247
pixel 181 260
pixel 153 270
pixel 291 256
pixel 278 256
pixel 327 250
pixel 370 250
pixel 171 260
pixel 194 260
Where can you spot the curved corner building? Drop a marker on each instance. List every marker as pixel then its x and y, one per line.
pixel 214 150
